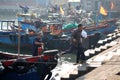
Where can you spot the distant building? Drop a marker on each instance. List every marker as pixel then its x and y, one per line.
pixel 58 2
pixel 74 3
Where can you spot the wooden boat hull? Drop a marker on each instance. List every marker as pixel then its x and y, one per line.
pixel 26 67
pixel 52 42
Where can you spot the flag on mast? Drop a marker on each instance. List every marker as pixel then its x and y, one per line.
pixel 112 5
pixel 103 11
pixel 61 10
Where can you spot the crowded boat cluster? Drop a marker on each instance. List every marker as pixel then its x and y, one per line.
pixel 51 36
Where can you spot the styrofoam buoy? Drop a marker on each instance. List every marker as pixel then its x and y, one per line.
pixel 107 45
pixel 113 43
pixel 109 35
pixel 87 52
pixel 100 42
pixel 118 35
pixel 109 39
pixel 103 47
pixel 92 51
pixel 114 37
pixel 97 50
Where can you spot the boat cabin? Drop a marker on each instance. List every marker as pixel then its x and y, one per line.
pixel 6 25
pixel 55 28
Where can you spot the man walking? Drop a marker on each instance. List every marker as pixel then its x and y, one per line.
pixel 76 43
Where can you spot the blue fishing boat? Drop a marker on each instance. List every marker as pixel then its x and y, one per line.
pixel 9 31
pixel 30 26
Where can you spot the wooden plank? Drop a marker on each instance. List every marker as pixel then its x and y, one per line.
pixel 107 71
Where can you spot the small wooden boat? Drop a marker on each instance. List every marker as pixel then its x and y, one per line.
pixel 21 67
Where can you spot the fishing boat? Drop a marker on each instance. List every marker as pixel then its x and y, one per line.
pixel 28 30
pixel 99 21
pixel 30 25
pixel 105 27
pixel 26 67
pixel 54 34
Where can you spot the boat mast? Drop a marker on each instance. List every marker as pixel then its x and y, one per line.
pixel 109 10
pixel 19 40
pixel 96 12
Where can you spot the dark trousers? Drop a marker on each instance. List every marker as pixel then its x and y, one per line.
pixel 43 70
pixel 71 49
pixel 80 52
pixel 42 77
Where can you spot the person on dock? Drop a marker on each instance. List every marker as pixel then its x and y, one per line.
pixel 38 45
pixel 76 44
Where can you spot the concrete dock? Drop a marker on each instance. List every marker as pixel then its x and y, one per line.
pixel 103 62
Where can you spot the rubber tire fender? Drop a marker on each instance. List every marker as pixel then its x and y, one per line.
pixel 21 66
